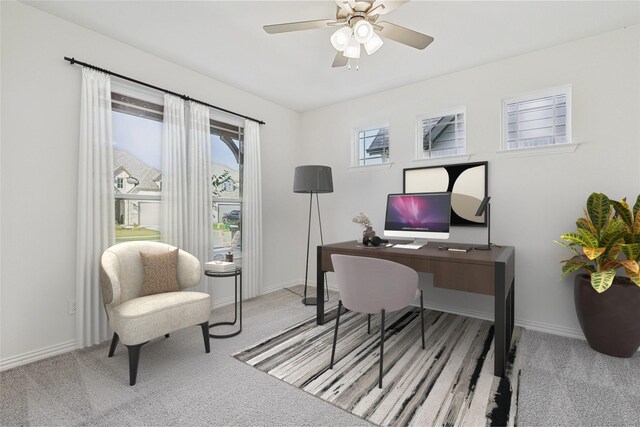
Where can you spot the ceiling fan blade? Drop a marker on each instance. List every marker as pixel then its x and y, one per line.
pixel 345 5
pixel 404 35
pixel 340 60
pixel 298 26
pixel 382 7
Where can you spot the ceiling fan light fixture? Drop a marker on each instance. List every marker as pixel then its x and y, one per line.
pixel 340 39
pixel 363 31
pixel 353 49
pixel 374 43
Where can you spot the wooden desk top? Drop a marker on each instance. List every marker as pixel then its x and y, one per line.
pixel 472 271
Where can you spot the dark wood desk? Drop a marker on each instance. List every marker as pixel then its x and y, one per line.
pixel 484 272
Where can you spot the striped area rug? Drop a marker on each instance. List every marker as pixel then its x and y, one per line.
pixel 449 383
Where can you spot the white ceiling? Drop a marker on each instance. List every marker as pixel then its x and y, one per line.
pixel 225 40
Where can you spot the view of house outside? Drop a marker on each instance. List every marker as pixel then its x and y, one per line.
pixel 137 148
pixel 225 184
pixel 137 180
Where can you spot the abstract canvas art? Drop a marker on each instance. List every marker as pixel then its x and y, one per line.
pixel 467 183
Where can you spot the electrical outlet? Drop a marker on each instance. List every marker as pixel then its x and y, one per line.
pixel 71 304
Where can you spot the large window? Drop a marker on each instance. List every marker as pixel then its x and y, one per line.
pixel 442 134
pixel 137 175
pixel 537 119
pixel 226 191
pixel 371 146
pixel 137 163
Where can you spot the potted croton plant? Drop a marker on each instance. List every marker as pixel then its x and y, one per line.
pixel 606 245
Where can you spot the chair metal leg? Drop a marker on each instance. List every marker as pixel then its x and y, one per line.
pixel 114 343
pixel 134 357
pixel 381 347
pixel 335 334
pixel 368 323
pixel 166 335
pixel 422 317
pixel 205 335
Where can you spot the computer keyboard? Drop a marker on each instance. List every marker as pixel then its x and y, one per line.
pixel 409 246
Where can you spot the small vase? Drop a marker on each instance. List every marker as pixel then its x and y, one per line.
pixel 229 257
pixel 368 233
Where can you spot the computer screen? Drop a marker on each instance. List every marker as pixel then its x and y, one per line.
pixel 418 215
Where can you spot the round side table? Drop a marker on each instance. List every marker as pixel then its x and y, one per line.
pixel 237 273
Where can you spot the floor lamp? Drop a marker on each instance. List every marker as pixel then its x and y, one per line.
pixel 312 179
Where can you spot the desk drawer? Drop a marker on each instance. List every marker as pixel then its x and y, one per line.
pixel 475 278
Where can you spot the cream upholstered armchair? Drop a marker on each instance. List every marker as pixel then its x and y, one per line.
pixel 136 316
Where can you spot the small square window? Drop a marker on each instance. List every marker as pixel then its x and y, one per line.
pixel 442 135
pixel 371 146
pixel 537 119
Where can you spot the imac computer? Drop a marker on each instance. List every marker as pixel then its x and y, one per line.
pixel 420 216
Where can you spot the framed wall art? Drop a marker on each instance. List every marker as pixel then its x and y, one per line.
pixel 467 183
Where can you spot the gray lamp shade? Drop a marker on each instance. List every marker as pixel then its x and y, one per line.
pixel 313 179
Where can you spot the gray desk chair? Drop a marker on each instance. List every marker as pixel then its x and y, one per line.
pixel 371 285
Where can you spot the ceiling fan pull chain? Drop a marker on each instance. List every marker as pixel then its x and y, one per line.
pixel 357 65
pixel 349 64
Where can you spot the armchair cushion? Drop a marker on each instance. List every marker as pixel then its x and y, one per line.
pixel 160 272
pixel 141 319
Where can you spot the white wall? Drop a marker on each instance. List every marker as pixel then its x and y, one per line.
pixel 40 117
pixel 534 199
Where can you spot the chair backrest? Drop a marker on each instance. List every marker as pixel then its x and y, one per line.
pixel 124 272
pixel 368 285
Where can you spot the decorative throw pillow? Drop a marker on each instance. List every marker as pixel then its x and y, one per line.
pixel 160 272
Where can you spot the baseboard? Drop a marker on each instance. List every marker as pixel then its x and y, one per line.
pixel 527 324
pixel 551 329
pixel 32 356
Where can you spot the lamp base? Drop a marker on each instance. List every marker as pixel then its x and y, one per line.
pixel 310 301
pixel 484 247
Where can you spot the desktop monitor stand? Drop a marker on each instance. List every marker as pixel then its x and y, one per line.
pixel 416 244
pixel 421 242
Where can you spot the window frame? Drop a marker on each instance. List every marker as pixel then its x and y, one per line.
pixel 419 146
pixel 565 90
pixel 355 144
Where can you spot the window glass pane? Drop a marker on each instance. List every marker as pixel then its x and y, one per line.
pixel 137 220
pixel 226 209
pixel 443 135
pixel 536 122
pixel 225 167
pixel 373 146
pixel 225 229
pixel 137 151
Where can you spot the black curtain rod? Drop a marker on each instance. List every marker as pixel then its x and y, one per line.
pixel 73 61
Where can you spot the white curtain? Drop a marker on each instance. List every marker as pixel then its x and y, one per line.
pixel 251 212
pixel 96 204
pixel 199 166
pixel 173 199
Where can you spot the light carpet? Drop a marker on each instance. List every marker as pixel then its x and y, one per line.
pixel 449 383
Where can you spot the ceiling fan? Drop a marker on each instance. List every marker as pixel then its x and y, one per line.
pixel 357 25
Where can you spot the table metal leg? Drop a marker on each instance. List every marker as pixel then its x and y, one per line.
pixel 500 322
pixel 319 288
pixel 235 311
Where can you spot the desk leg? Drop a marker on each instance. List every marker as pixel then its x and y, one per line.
pixel 500 322
pixel 319 288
